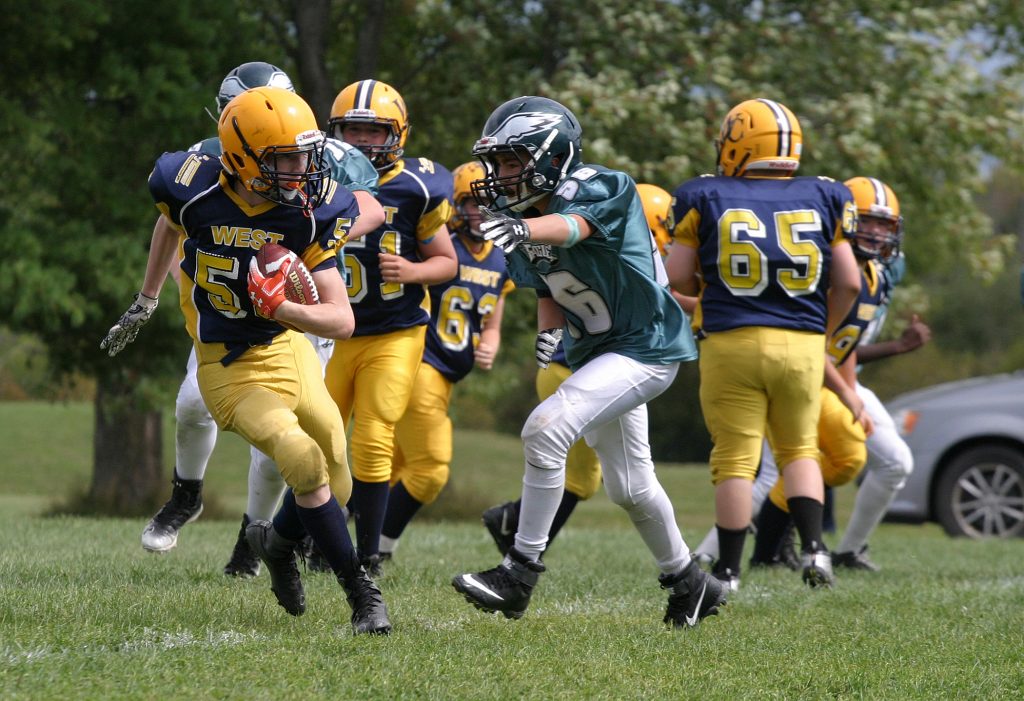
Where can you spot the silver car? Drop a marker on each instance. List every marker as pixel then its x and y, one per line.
pixel 968 443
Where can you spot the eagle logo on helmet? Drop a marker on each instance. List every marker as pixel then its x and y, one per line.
pixel 518 126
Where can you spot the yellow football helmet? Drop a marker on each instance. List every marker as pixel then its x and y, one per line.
pixel 658 210
pixel 271 143
pixel 465 221
pixel 759 135
pixel 879 224
pixel 372 102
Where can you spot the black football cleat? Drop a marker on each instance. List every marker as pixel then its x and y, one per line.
pixel 855 560
pixel 693 594
pixel 184 506
pixel 243 562
pixel 506 588
pixel 369 613
pixel 278 554
pixel 502 522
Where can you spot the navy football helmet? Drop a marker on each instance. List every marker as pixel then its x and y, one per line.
pixel 255 74
pixel 543 135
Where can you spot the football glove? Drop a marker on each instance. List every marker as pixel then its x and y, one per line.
pixel 127 327
pixel 547 344
pixel 267 293
pixel 506 232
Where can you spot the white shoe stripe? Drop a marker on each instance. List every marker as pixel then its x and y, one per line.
pixel 692 620
pixel 472 581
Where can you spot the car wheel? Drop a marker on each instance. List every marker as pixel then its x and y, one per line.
pixel 981 493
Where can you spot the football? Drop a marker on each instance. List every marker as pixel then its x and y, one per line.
pixel 299 285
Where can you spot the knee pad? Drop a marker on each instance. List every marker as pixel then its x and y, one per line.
pixel 895 470
pixel 582 471
pixel 838 469
pixel 425 486
pixel 189 407
pixel 541 445
pixel 301 462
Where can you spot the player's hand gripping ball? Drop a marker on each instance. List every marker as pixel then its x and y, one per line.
pixel 277 274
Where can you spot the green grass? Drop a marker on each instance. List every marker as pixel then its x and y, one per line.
pixel 85 613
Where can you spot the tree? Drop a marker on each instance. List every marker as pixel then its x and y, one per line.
pixel 95 92
pixel 917 93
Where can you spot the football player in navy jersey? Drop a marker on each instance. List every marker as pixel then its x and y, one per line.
pixel 195 429
pixel 371 374
pixel 878 245
pixel 464 331
pixel 888 458
pixel 769 257
pixel 584 245
pixel 257 378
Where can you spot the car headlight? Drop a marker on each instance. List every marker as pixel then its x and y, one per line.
pixel 906 420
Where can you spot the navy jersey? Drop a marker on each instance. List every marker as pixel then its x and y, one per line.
pixel 417 198
pixel 223 234
pixel 612 285
pixel 461 306
pixel 875 288
pixel 346 164
pixel 764 248
pixel 891 272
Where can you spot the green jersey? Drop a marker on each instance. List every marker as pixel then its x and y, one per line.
pixel 611 286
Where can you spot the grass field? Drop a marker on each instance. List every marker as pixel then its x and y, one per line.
pixel 86 614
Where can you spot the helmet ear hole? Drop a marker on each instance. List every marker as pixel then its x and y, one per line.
pixel 239 163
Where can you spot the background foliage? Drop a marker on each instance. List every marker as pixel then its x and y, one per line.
pixel 923 94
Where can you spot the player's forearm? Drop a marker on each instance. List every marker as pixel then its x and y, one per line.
pixel 877 351
pixel 435 270
pixel 326 319
pixel 371 215
pixel 558 229
pixel 492 337
pixel 163 248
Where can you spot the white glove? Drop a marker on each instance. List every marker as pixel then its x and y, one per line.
pixel 506 232
pixel 127 327
pixel 547 344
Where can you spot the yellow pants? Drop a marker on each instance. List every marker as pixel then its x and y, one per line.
pixel 842 443
pixel 274 397
pixel 755 380
pixel 582 468
pixel 423 437
pixel 373 375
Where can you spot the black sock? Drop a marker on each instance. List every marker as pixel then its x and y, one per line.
pixel 368 504
pixel 806 513
pixel 771 526
pixel 730 549
pixel 287 522
pixel 402 506
pixel 828 516
pixel 565 508
pixel 326 526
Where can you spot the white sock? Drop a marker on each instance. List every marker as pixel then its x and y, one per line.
pixel 266 486
pixel 542 493
pixel 388 545
pixel 655 520
pixel 873 499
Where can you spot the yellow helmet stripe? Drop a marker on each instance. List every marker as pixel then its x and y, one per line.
pixel 785 128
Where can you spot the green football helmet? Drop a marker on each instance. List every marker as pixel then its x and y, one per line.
pixel 543 135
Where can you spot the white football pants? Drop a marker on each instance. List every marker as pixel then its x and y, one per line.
pixel 605 402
